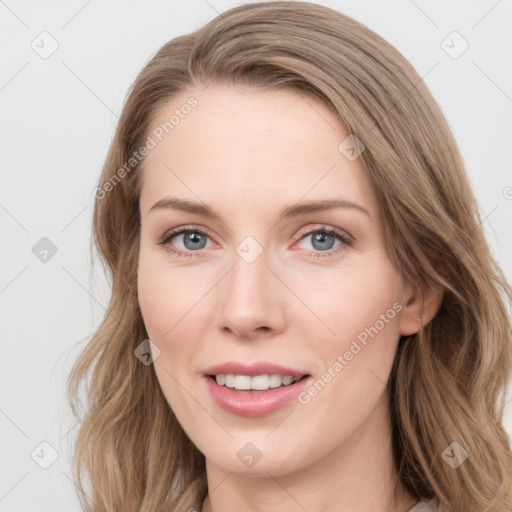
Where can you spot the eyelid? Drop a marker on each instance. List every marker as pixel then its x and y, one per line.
pixel 303 232
pixel 326 228
pixel 178 230
pixel 346 238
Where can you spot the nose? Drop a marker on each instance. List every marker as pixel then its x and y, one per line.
pixel 251 300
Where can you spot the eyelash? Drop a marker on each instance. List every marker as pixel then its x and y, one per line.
pixel 346 240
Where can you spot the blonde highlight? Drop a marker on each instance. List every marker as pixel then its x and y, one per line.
pixel 448 381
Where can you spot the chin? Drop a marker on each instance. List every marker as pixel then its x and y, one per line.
pixel 258 463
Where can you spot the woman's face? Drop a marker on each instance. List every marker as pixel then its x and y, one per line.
pixel 266 282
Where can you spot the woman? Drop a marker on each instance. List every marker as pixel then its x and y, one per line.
pixel 305 314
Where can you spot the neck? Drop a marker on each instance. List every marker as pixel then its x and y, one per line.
pixel 357 476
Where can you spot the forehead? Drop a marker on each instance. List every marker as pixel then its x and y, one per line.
pixel 250 147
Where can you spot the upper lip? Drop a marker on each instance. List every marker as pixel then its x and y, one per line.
pixel 259 368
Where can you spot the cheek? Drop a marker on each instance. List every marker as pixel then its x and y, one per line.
pixel 356 362
pixel 171 306
pixel 361 312
pixel 164 309
pixel 352 299
pixel 158 305
pixel 154 304
pixel 161 294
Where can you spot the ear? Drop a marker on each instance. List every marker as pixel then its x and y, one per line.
pixel 421 303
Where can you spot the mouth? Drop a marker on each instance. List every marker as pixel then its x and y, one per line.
pixel 255 384
pixel 254 395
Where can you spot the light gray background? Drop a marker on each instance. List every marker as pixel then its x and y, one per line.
pixel 58 117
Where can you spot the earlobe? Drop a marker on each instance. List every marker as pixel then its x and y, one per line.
pixel 421 306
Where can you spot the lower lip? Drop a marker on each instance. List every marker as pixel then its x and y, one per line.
pixel 254 404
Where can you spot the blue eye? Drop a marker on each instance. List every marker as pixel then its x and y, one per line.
pixel 194 241
pixel 323 240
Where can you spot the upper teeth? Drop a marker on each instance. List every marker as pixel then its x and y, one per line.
pixel 258 382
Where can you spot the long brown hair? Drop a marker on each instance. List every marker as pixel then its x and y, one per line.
pixel 448 381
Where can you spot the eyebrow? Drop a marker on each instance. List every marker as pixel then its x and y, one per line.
pixel 293 210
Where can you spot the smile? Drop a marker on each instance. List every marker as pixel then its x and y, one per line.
pixel 254 383
pixel 249 402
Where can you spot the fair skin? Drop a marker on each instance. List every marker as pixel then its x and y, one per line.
pixel 247 154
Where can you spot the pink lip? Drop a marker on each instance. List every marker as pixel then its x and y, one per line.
pixel 260 368
pixel 253 404
pixel 261 403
